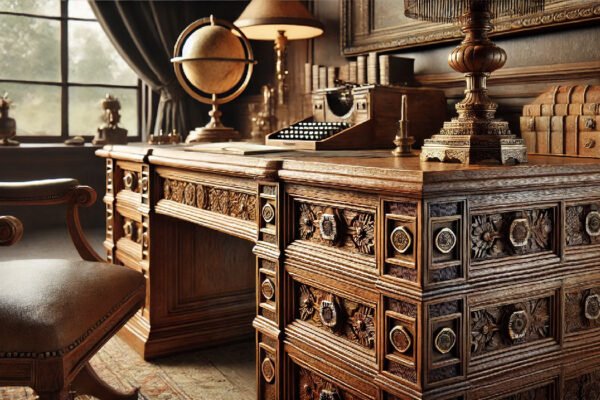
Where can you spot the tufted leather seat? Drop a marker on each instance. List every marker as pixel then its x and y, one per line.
pixel 49 306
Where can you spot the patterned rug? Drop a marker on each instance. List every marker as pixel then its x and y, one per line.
pixel 215 374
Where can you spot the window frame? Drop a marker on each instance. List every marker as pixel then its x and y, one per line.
pixel 64 83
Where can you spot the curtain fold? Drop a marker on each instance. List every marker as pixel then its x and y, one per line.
pixel 144 33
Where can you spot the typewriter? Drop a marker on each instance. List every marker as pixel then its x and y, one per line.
pixel 363 117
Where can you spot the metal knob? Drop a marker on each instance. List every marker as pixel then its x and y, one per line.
pixel 130 180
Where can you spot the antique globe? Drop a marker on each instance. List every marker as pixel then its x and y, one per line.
pixel 213 62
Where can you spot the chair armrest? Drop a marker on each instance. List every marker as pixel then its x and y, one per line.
pixel 48 191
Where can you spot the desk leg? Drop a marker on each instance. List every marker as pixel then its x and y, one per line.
pixel 269 295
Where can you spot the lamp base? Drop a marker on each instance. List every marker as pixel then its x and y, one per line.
pixel 503 149
pixel 209 134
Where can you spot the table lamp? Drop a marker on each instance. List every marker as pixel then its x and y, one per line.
pixel 475 135
pixel 279 21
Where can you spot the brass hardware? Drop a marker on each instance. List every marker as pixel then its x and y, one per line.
pixel 592 307
pixel 268 370
pixel 267 289
pixel 590 123
pixel 519 232
pixel 400 339
pixel 590 143
pixel 144 184
pixel 329 312
pixel 130 180
pixel 445 240
pixel 592 223
pixel 328 227
pixel 268 213
pixel 401 239
pixel 518 324
pixel 445 340
pixel 329 394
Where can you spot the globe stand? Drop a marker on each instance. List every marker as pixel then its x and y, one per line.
pixel 214 131
pixel 475 135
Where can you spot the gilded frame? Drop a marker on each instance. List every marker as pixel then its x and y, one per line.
pixel 360 35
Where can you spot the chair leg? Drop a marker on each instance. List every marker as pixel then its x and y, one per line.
pixel 88 382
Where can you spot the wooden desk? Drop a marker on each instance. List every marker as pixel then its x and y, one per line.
pixel 376 278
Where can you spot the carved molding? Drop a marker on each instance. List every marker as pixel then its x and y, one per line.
pixel 512 233
pixel 495 328
pixel 222 201
pixel 541 393
pixel 351 320
pixel 348 229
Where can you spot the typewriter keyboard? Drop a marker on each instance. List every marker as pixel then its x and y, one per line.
pixel 311 130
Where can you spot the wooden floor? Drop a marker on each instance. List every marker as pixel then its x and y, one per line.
pixel 213 374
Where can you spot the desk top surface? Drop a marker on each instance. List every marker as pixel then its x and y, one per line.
pixel 373 169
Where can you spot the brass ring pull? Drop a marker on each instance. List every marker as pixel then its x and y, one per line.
pixel 328 225
pixel 144 184
pixel 329 394
pixel 130 180
pixel 445 340
pixel 329 312
pixel 592 307
pixel 590 144
pixel 518 325
pixel 400 339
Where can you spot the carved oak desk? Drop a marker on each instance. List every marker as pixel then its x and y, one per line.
pixel 376 278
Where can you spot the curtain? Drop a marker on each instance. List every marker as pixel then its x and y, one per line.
pixel 144 33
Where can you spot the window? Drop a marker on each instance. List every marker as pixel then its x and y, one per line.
pixel 56 63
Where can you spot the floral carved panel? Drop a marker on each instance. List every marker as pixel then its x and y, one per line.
pixel 342 317
pixel 222 201
pixel 584 387
pixel 582 225
pixel 512 233
pixel 495 328
pixel 312 387
pixel 351 230
pixel 582 309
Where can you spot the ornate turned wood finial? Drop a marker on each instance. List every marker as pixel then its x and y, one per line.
pixel 402 141
pixel 8 125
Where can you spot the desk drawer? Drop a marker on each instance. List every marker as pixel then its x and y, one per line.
pixel 132 183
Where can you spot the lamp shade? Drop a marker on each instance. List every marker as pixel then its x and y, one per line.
pixel 264 19
pixel 450 10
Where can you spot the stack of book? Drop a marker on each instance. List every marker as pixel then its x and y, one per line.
pixel 563 120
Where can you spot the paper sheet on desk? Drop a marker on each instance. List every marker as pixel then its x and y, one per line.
pixel 240 148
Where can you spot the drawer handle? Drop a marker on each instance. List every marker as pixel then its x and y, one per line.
pixel 400 339
pixel 268 370
pixel 329 394
pixel 401 239
pixel 445 240
pixel 590 123
pixel 519 232
pixel 267 288
pixel 592 223
pixel 590 143
pixel 518 325
pixel 445 340
pixel 329 313
pixel 592 307
pixel 144 184
pixel 130 180
pixel 328 226
pixel 268 213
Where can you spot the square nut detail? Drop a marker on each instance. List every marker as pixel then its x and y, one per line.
pixel 401 339
pixel 401 240
pixel 446 255
pixel 268 214
pixel 445 347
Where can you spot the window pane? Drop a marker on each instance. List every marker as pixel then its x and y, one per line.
pixel 30 48
pixel 92 57
pixel 80 9
pixel 36 108
pixel 39 7
pixel 85 109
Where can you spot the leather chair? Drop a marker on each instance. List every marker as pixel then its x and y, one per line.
pixel 56 314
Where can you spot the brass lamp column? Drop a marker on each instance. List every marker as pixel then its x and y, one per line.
pixel 475 135
pixel 279 21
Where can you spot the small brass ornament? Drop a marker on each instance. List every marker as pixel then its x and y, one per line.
pixel 402 141
pixel 268 370
pixel 518 323
pixel 400 339
pixel 267 288
pixel 592 307
pixel 329 313
pixel 520 232
pixel 592 223
pixel 445 340
pixel 445 240
pixel 268 213
pixel 328 226
pixel 110 132
pixel 329 394
pixel 401 239
pixel 130 180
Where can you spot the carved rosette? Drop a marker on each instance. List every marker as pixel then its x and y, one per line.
pixel 362 324
pixel 401 239
pixel 227 202
pixel 307 303
pixel 267 368
pixel 267 288
pixel 445 340
pixel 306 226
pixel 400 339
pixel 445 240
pixel 363 232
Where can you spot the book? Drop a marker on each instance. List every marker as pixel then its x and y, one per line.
pixel 322 77
pixel 315 77
pixel 308 84
pixel 361 70
pixel 352 67
pixel 372 68
pixel 332 73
